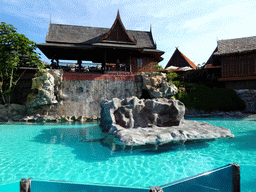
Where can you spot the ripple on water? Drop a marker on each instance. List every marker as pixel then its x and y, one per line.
pixel 43 152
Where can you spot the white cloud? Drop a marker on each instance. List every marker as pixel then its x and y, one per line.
pixel 234 13
pixel 193 25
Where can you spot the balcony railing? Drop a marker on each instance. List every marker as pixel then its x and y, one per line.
pixel 94 67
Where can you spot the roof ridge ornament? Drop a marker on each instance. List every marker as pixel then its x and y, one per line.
pixel 118 32
pixel 150 31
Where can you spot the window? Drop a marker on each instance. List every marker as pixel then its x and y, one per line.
pixel 139 62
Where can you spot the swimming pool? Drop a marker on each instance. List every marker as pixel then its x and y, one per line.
pixel 59 152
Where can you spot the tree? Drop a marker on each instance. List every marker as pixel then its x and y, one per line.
pixel 159 68
pixel 200 66
pixel 16 50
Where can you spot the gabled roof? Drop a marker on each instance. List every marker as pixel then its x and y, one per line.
pixel 118 33
pixel 60 34
pixel 82 35
pixel 213 61
pixel 210 60
pixel 236 45
pixel 178 59
pixel 71 41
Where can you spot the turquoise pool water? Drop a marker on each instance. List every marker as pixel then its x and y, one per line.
pixel 61 152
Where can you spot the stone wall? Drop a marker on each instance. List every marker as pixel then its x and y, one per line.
pixel 82 98
pixel 80 94
pixel 249 97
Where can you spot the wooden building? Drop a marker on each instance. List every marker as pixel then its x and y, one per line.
pixel 114 48
pixel 237 58
pixel 179 63
pixel 212 59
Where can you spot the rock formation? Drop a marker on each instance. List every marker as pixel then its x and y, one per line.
pixel 44 84
pixel 249 97
pixel 155 121
pixel 157 86
pixel 187 131
pixel 132 112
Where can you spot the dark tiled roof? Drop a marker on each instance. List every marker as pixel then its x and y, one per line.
pixel 65 45
pixel 189 62
pixel 210 60
pixel 118 32
pixel 59 33
pixel 236 45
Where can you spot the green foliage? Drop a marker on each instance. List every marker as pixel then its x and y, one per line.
pixel 171 76
pixel 41 69
pixel 152 74
pixel 178 83
pixel 159 68
pixel 201 97
pixel 15 50
pixel 31 96
pixel 200 66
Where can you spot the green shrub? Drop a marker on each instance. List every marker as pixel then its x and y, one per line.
pixel 201 97
pixel 171 76
pixel 176 83
pixel 30 97
pixel 159 68
pixel 185 98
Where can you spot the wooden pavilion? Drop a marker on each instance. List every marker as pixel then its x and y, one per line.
pixel 237 59
pixel 114 48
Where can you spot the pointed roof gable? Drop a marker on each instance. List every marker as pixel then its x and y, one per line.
pixel 213 61
pixel 118 33
pixel 178 59
pixel 210 60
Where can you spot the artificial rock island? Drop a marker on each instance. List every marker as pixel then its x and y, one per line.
pixel 156 121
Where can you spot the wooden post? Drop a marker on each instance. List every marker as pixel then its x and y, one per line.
pixel 103 67
pixel 57 63
pixel 52 63
pixel 79 65
pixel 130 67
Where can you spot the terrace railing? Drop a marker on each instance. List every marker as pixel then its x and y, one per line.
pixel 93 67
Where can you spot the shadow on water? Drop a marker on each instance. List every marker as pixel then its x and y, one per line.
pixel 88 144
pixel 83 145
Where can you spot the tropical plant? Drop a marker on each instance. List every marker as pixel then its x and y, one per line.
pixel 171 76
pixel 159 68
pixel 201 97
pixel 16 50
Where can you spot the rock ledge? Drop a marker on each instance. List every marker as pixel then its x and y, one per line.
pixel 134 122
pixel 188 131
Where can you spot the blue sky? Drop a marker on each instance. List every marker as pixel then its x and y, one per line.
pixel 192 25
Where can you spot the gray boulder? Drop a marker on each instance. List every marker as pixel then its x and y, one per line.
pixel 134 121
pixel 157 86
pixel 45 86
pixel 132 112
